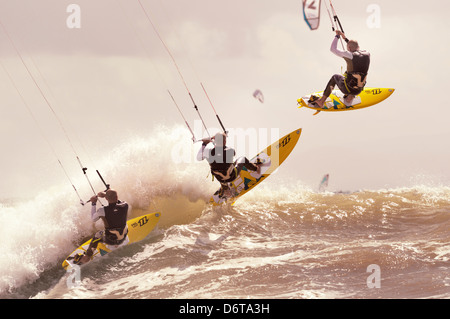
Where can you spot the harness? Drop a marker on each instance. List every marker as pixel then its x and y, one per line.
pixel 357 68
pixel 222 165
pixel 231 175
pixel 116 229
pixel 355 81
pixel 115 236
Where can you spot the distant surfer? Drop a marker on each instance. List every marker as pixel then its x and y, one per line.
pixel 220 158
pixel 114 217
pixel 353 82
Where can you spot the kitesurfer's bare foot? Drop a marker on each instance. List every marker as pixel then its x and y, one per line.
pixel 258 165
pixel 320 102
pixel 81 258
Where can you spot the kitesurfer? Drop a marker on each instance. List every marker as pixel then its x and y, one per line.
pixel 354 80
pixel 220 158
pixel 114 217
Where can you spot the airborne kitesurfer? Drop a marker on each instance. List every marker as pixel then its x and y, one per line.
pixel 353 82
pixel 220 158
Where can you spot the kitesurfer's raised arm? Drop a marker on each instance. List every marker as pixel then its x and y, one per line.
pixel 201 155
pixel 336 51
pixel 96 214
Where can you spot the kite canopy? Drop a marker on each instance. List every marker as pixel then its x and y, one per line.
pixel 311 13
pixel 324 183
pixel 259 96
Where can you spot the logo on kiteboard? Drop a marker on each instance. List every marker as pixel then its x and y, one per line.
pixel 376 91
pixel 284 142
pixel 141 222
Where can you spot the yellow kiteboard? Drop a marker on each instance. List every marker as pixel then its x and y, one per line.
pixel 271 158
pixel 138 229
pixel 336 102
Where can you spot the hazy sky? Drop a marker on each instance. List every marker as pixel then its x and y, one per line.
pixel 108 82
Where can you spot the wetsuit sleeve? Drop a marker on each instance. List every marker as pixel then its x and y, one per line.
pixel 200 156
pixel 128 209
pixel 339 53
pixel 96 214
pixel 203 152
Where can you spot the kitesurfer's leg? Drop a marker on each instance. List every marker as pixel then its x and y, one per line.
pixel 349 96
pixel 335 79
pixel 224 190
pixel 244 162
pixel 98 237
pixel 82 258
